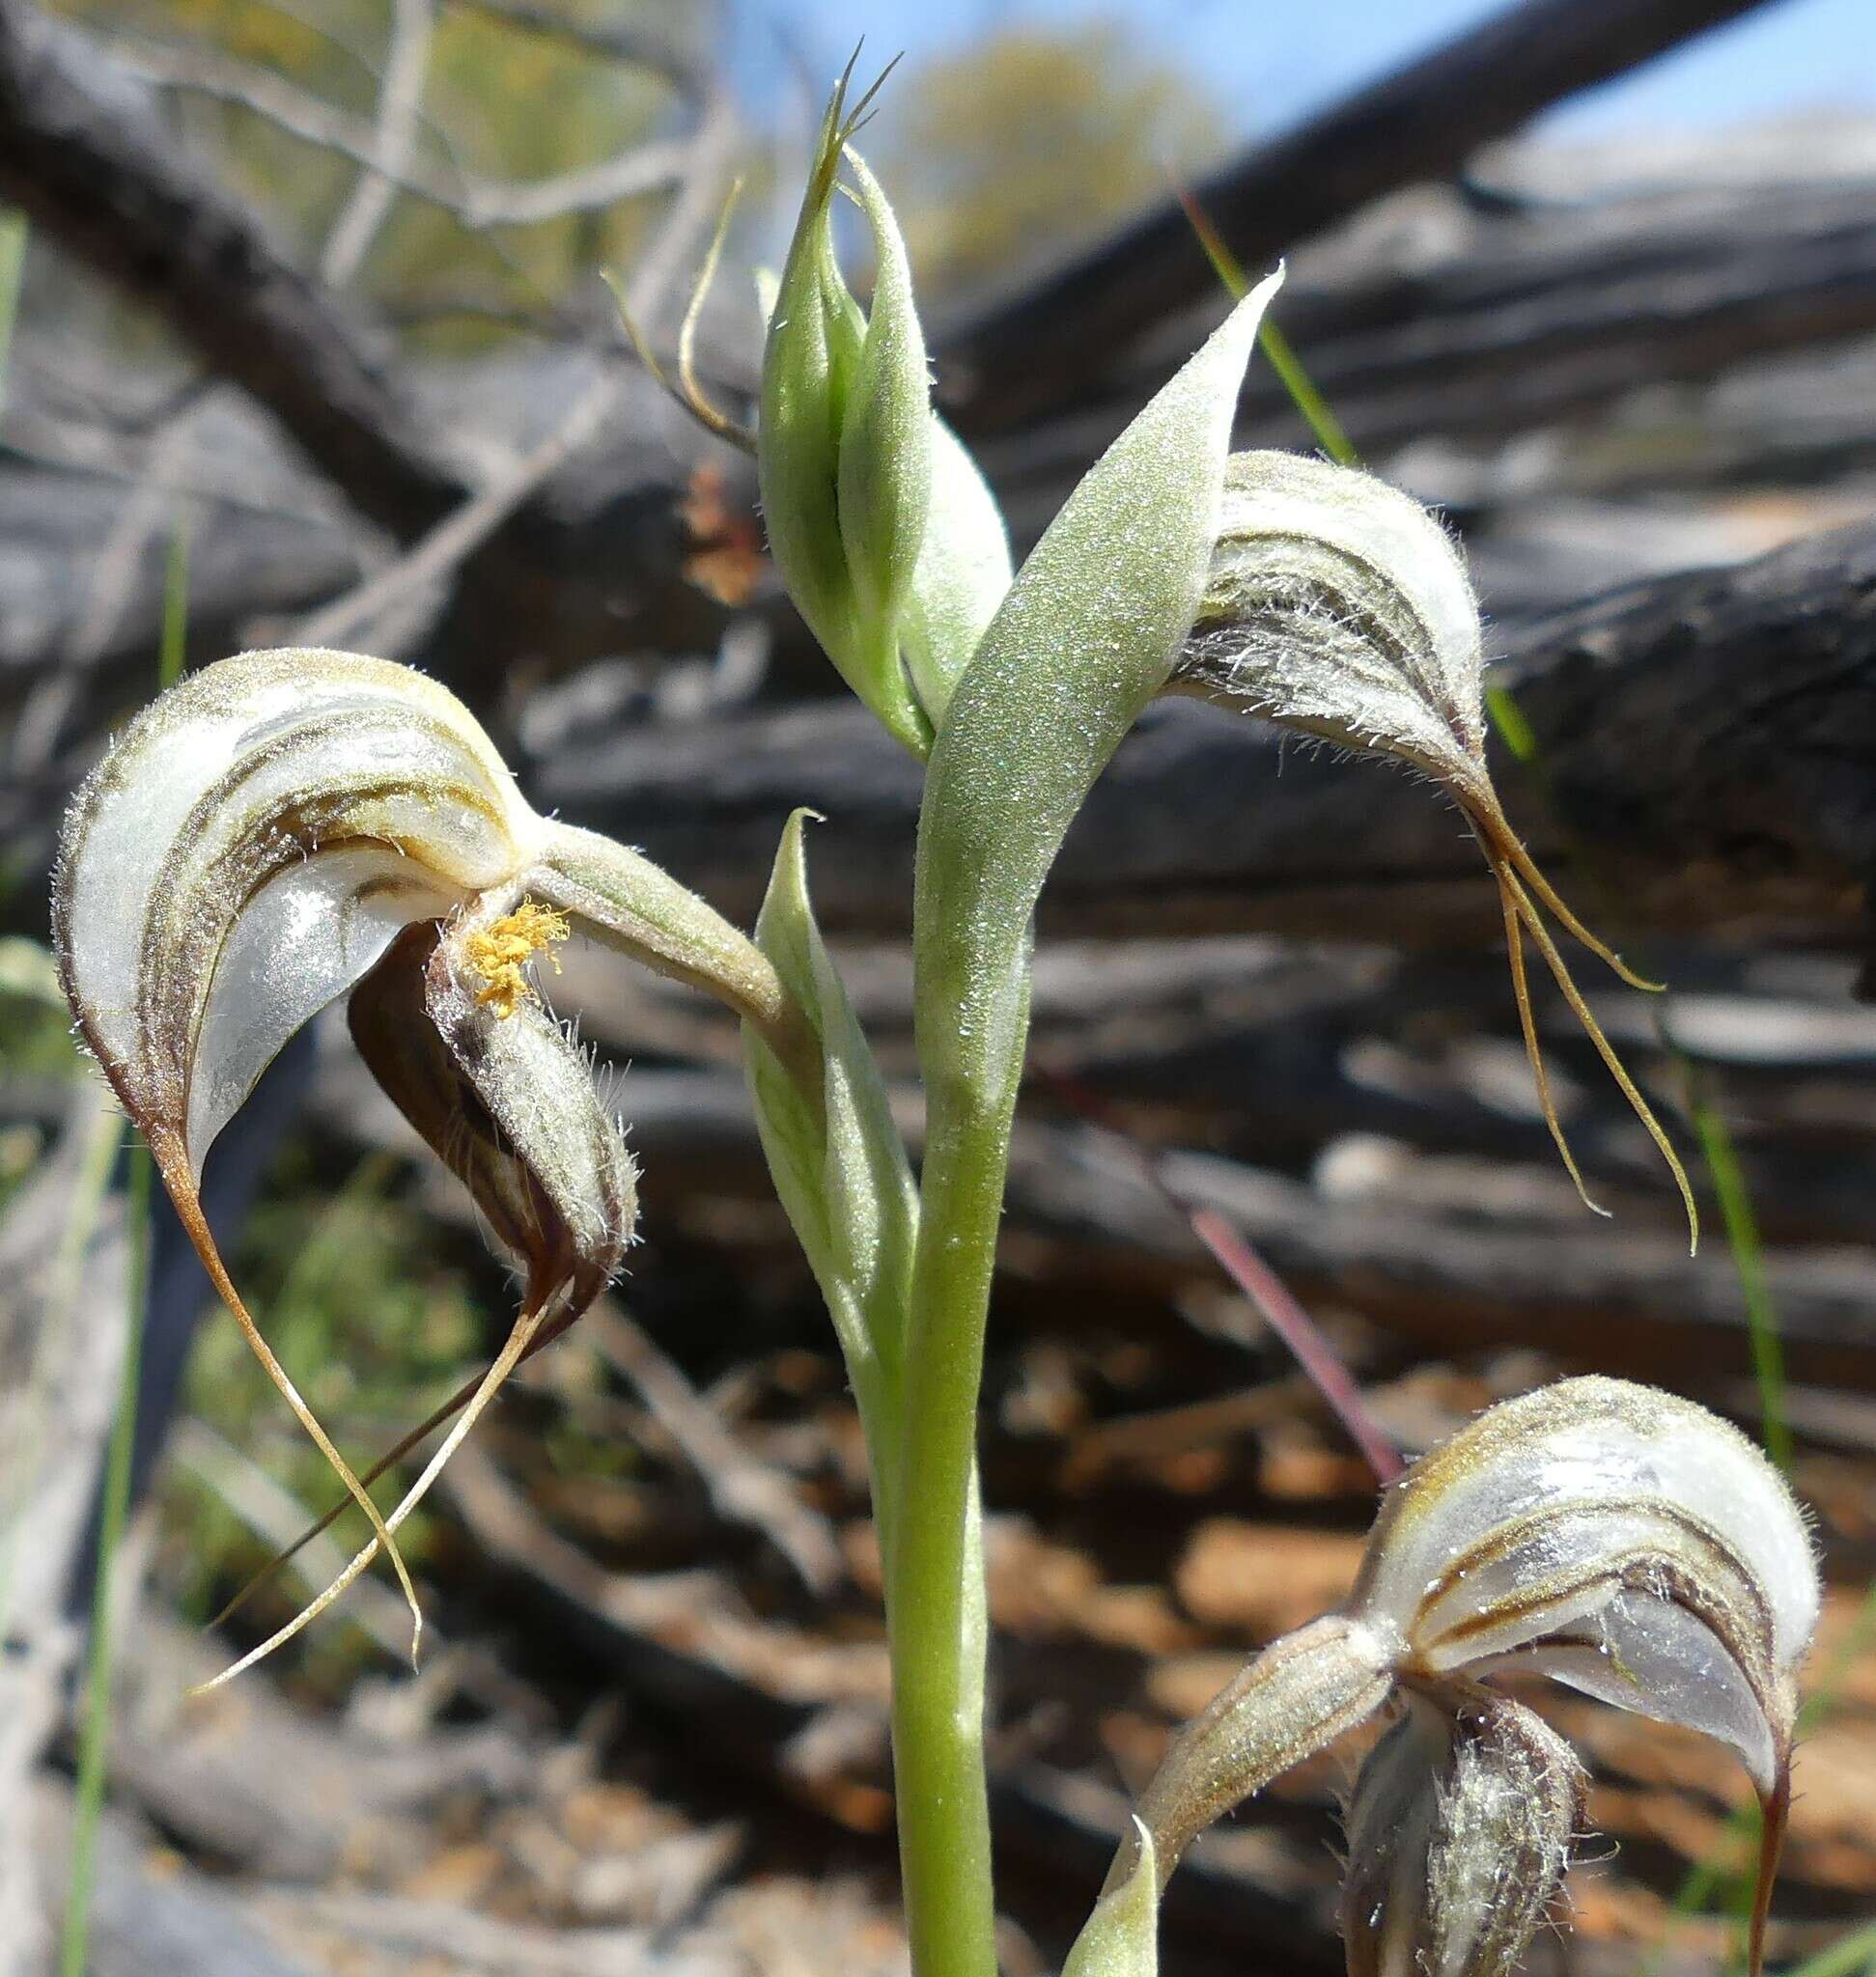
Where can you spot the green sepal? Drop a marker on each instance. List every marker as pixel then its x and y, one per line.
pixel 886 437
pixel 1085 638
pixel 962 577
pixel 809 347
pixel 1120 1938
pixel 835 1155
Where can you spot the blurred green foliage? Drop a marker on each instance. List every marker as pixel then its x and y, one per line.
pixel 36 1043
pixel 1031 140
pixel 500 102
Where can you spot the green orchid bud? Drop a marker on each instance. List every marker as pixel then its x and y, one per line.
pixel 962 576
pixel 1337 605
pixel 842 447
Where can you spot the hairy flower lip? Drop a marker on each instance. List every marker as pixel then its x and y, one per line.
pixel 1460 1825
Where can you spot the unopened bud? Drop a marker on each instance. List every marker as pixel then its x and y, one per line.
pixel 844 445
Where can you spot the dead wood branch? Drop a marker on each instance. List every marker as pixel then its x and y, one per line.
pixel 1422 122
pixel 84 154
pixel 1517 321
pixel 1708 736
pixel 745 1488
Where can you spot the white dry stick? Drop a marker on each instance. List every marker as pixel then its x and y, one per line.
pixel 745 1488
pixel 400 101
pixel 458 536
pixel 478 204
pixel 152 502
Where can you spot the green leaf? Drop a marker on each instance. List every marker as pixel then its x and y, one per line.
pixel 27 969
pixel 1119 1939
pixel 963 575
pixel 836 1156
pixel 1086 636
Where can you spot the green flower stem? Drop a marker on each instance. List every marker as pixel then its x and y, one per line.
pixel 1061 673
pixel 936 1609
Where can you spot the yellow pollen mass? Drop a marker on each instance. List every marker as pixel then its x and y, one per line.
pixel 499 950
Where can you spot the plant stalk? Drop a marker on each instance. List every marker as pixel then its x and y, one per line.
pixel 936 1610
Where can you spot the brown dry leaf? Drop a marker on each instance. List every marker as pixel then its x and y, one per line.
pixel 1264 1579
pixel 463 1874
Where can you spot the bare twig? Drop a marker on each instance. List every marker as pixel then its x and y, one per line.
pixel 614 41
pixel 150 504
pixel 399 99
pixel 460 534
pixel 276 1514
pixel 477 204
pixel 742 1487
pixel 84 153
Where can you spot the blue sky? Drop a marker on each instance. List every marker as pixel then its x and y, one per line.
pixel 1268 61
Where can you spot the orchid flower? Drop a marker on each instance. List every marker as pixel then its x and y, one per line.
pixel 1339 606
pixel 1622 1541
pixel 287 827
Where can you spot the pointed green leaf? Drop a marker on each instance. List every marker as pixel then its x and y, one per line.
pixel 1085 638
pixel 839 1164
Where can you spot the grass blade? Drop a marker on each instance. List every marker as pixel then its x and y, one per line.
pixel 95 1725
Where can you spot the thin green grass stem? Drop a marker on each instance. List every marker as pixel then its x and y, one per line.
pixel 1850 1956
pixel 12 264
pixel 94 1726
pixel 1304 396
pixel 172 652
pixel 104 1134
pixel 1276 347
pixel 1747 1251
